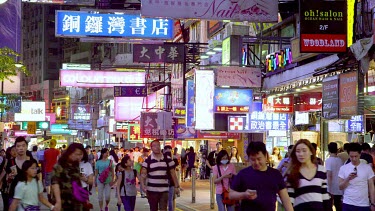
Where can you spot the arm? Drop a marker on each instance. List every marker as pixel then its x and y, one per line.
pixel 143 178
pixel 119 180
pixel 14 205
pixel 44 201
pixel 371 189
pixel 175 180
pixel 285 199
pixel 96 175
pixel 56 193
pixel 343 183
pixel 329 180
pixel 208 164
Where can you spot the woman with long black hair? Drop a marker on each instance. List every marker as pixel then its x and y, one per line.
pixel 104 187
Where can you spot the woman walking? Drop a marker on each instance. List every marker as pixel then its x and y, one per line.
pixel 307 181
pixel 191 156
pixel 276 157
pixel 222 173
pixel 234 156
pixel 126 185
pixel 105 176
pixel 29 190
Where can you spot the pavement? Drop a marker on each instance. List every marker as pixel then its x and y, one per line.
pixel 183 203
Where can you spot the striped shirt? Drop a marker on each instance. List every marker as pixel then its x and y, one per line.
pixel 311 194
pixel 157 173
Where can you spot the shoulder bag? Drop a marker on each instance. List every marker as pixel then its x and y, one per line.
pixel 225 193
pixel 104 175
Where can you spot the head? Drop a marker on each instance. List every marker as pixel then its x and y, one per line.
pixel 258 156
pixel 11 152
pixel 366 148
pixel 85 156
pixel 219 146
pixel 126 162
pixel 155 147
pixel 136 149
pixel 167 150
pixel 222 158
pixel 354 151
pixel 332 148
pixel 29 170
pixel 114 155
pixel 52 143
pixel 290 148
pixel 2 153
pixel 346 147
pixel 35 148
pixel 316 148
pixel 145 151
pixel 63 146
pixel 21 145
pixel 191 149
pixel 72 155
pixel 88 149
pixel 175 150
pixel 104 154
pixel 303 153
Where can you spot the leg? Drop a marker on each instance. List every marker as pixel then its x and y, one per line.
pixel 5 200
pixel 337 202
pixel 170 198
pixel 219 201
pixel 126 202
pixel 107 194
pixel 100 194
pixel 153 200
pixel 48 185
pixel 163 202
pixel 132 202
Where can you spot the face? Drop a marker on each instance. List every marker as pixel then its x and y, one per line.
pixel 129 163
pixel 2 153
pixel 303 153
pixel 258 161
pixel 234 150
pixel 155 147
pixel 225 157
pixel 276 151
pixel 76 156
pixel 32 170
pixel 219 147
pixel 21 148
pixel 88 150
pixel 13 152
pixel 354 157
pixel 136 149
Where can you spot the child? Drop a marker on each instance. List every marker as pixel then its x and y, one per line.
pixel 126 184
pixel 118 171
pixel 29 190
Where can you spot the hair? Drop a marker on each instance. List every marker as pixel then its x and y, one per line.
pixel 25 166
pixel 290 146
pixel 167 147
pixel 35 148
pixel 63 146
pixel 124 161
pixel 256 147
pixel 154 141
pixel 114 155
pixel 192 150
pixel 20 139
pixel 103 151
pixel 175 150
pixel 346 146
pixel 145 150
pixel 236 155
pixel 279 155
pixel 220 156
pixel 332 147
pixel 85 157
pixel 64 159
pixel 365 147
pixel 293 176
pixel 29 154
pixel 354 147
pixel 52 143
pixel 8 152
pixel 219 143
pixel 88 147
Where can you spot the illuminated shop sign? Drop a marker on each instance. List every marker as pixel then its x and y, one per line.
pixel 81 112
pixel 233 100
pixel 204 99
pixel 309 102
pixel 179 112
pixel 279 104
pixel 355 124
pixel 31 111
pixel 130 91
pixel 134 132
pixel 81 24
pixel 190 103
pixel 39 125
pixel 149 127
pixel 268 121
pixel 278 60
pixel 60 129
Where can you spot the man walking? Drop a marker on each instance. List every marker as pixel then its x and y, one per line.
pixel 155 169
pixel 356 179
pixel 257 185
pixel 333 165
pixel 211 159
pixel 50 156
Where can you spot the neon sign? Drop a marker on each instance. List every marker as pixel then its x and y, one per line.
pixel 278 60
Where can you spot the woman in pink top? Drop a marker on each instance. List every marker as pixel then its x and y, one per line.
pixel 223 172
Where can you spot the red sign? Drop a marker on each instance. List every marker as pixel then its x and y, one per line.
pixel 150 128
pixel 309 102
pixel 311 43
pixel 280 104
pixel 348 100
pixel 217 135
pixel 134 132
pixel 231 109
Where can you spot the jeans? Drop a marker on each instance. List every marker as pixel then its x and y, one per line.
pixel 157 200
pixel 171 198
pixel 128 202
pixel 221 206
pixel 348 207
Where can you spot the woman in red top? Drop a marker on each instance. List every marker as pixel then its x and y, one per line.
pixel 222 173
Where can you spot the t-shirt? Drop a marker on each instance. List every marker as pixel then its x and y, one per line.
pixel 357 191
pixel 86 169
pixel 136 156
pixel 234 160
pixel 101 165
pixel 267 184
pixel 28 192
pixel 281 165
pixel 334 164
pixel 157 177
pixel 224 171
pixel 129 183
pixel 50 156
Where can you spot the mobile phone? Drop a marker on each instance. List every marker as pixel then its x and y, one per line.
pixel 252 191
pixel 81 171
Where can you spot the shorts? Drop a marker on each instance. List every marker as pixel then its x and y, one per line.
pixel 48 179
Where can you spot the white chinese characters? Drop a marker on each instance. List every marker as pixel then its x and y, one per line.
pixel 94 24
pixel 138 25
pixel 71 23
pixel 116 24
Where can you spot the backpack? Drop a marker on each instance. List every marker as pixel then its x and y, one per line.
pixel 122 185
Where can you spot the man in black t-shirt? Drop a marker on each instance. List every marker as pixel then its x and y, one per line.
pixel 211 159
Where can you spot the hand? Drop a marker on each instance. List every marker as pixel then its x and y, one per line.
pixel 250 194
pixel 228 175
pixel 352 176
pixel 111 184
pixel 286 164
pixel 144 188
pixel 372 208
pixel 119 201
pixel 83 178
pixel 176 191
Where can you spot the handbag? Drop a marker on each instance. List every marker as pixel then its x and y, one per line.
pixel 225 193
pixel 104 175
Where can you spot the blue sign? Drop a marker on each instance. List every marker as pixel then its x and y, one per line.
pixel 60 129
pixel 82 24
pixel 355 124
pixel 233 97
pixel 268 121
pixel 190 103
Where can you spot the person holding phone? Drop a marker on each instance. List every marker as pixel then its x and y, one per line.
pixel 356 179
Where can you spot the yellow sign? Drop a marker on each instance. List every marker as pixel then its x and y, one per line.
pixel 225 53
pixel 351 9
pixel 31 127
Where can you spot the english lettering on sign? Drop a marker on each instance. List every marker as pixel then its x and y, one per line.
pixel 324 43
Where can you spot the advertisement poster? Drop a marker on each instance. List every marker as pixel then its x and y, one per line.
pixel 233 100
pixel 10 25
pixel 150 127
pixel 238 76
pixel 204 100
pixel 331 98
pixel 348 94
pixel 190 103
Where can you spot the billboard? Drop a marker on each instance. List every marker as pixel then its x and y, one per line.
pixel 240 10
pixel 82 24
pixel 150 128
pixel 128 108
pixel 80 112
pixel 99 79
pixel 130 91
pixel 155 53
pixel 238 76
pixel 232 100
pixel 204 99
pixel 31 111
pixel 348 93
pixel 279 104
pixel 65 2
pixel 330 98
pixel 10 25
pixel 323 26
pixel 190 103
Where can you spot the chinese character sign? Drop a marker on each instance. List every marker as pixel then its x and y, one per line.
pixel 233 100
pixel 169 53
pixel 355 124
pixel 190 103
pixel 81 24
pixel 134 132
pixel 309 102
pixel 179 112
pixel 279 104
pixel 149 127
pixel 268 121
pixel 81 112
